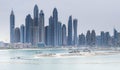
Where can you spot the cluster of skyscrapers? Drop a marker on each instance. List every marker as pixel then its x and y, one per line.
pixel 104 39
pixel 35 32
pixel 56 34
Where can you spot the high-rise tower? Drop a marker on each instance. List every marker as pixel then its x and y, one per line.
pixel 64 37
pixel 115 37
pixel 55 21
pixel 12 27
pixel 59 34
pixel 75 31
pixel 51 31
pixel 70 31
pixel 93 38
pixel 88 38
pixel 81 41
pixel 35 26
pixel 22 33
pixel 28 27
pixel 47 35
pixel 17 35
pixel 102 38
pixel 36 11
pixel 41 27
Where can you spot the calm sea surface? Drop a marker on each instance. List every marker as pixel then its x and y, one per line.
pixel 27 60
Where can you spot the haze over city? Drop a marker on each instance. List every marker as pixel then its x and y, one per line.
pixel 102 15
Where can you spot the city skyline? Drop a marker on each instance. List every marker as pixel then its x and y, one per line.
pixel 36 34
pixel 55 33
pixel 108 21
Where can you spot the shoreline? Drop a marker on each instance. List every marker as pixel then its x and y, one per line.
pixel 70 52
pixel 65 48
pixel 69 55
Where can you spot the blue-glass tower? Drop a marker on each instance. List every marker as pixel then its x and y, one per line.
pixel 47 35
pixel 28 27
pixel 115 37
pixel 102 38
pixel 55 21
pixel 59 34
pixel 17 35
pixel 22 33
pixel 81 40
pixel 51 31
pixel 12 27
pixel 75 31
pixel 64 37
pixel 41 27
pixel 88 38
pixel 35 26
pixel 36 11
pixel 93 38
pixel 70 31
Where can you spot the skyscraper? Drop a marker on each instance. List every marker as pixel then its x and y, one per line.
pixel 93 38
pixel 107 39
pixel 118 39
pixel 22 33
pixel 12 27
pixel 70 31
pixel 47 35
pixel 102 38
pixel 59 34
pixel 17 35
pixel 81 40
pixel 115 34
pixel 36 11
pixel 51 31
pixel 55 21
pixel 35 26
pixel 28 27
pixel 75 31
pixel 98 40
pixel 41 27
pixel 64 37
pixel 115 37
pixel 88 38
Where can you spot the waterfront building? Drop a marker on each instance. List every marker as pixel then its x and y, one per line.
pixel 51 31
pixel 55 22
pixel 35 26
pixel 41 27
pixel 88 38
pixel 12 27
pixel 17 35
pixel 22 33
pixel 69 40
pixel 75 31
pixel 28 27
pixel 107 39
pixel 118 39
pixel 59 34
pixel 81 41
pixel 36 12
pixel 102 38
pixel 93 38
pixel 98 40
pixel 115 37
pixel 64 37
pixel 47 35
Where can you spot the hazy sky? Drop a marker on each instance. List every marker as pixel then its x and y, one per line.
pixel 101 15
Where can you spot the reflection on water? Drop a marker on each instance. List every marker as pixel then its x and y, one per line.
pixel 26 60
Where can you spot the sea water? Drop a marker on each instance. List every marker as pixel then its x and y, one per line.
pixel 26 60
